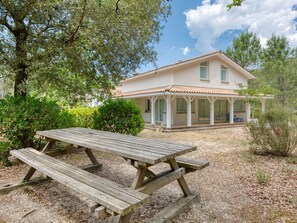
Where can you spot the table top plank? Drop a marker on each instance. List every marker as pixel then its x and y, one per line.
pixel 118 143
pixel 132 147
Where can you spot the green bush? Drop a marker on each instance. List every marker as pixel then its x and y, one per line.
pixel 120 115
pixel 83 116
pixel 21 117
pixel 274 133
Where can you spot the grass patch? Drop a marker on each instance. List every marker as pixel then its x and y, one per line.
pixel 262 177
pixel 291 159
pixel 249 157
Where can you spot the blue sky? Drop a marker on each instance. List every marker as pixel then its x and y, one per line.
pixel 196 27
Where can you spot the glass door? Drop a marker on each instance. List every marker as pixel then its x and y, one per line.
pixel 160 109
pixel 203 110
pixel 221 110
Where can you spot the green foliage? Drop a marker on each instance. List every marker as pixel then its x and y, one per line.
pixel 262 177
pixel 235 3
pixel 83 116
pixel 77 47
pixel 245 50
pixel 120 115
pixel 274 133
pixel 4 152
pixel 21 117
pixel 292 159
pixel 250 157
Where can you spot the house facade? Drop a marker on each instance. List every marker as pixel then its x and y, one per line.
pixel 201 90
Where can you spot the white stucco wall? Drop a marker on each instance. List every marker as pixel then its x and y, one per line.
pixel 188 75
pixel 159 79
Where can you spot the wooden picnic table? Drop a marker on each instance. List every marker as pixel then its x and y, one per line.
pixel 142 153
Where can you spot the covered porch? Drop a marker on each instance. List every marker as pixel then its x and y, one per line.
pixel 188 107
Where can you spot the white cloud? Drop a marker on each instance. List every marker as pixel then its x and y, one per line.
pixel 185 50
pixel 209 21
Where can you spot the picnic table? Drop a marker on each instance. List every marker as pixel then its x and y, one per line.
pixel 112 198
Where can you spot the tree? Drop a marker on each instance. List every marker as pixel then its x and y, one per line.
pixel 245 50
pixel 79 44
pixel 276 70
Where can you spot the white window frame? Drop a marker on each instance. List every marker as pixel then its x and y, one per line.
pixel 223 68
pixel 185 106
pixel 204 65
pixel 240 107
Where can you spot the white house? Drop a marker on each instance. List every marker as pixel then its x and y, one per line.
pixel 191 92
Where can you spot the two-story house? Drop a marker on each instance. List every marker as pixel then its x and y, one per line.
pixel 191 92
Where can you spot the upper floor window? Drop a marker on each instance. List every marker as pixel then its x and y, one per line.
pixel 224 74
pixel 204 71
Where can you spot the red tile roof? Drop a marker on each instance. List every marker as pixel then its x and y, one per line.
pixel 178 89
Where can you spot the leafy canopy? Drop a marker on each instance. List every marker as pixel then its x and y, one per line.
pixel 77 47
pixel 245 50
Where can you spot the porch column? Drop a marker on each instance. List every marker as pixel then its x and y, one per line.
pixel 189 100
pixel 231 113
pixel 263 104
pixel 248 111
pixel 168 111
pixel 153 100
pixel 212 101
pixel 189 112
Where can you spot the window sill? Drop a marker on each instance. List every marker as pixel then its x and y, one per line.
pixel 204 79
pixel 225 82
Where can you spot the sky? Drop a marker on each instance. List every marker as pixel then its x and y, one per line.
pixel 196 27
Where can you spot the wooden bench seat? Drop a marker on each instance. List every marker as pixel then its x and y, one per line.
pixel 114 197
pixel 190 164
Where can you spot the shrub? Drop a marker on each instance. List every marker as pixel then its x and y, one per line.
pixel 274 133
pixel 21 117
pixel 262 177
pixel 120 115
pixel 83 116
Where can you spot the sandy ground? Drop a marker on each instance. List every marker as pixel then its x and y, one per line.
pixel 230 191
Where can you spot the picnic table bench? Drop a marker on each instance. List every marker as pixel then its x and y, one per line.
pixel 112 198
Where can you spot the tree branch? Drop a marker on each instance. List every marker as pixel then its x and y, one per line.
pixel 117 6
pixel 72 37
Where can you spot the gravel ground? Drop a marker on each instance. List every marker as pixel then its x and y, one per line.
pixel 229 187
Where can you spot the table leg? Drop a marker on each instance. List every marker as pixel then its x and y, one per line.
pixel 31 171
pixel 138 182
pixel 181 181
pixel 141 173
pixel 48 146
pixel 91 156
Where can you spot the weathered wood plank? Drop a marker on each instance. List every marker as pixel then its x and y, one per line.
pixel 104 185
pixel 143 150
pixel 6 188
pixel 106 200
pixel 181 181
pixel 100 212
pixel 162 181
pixel 173 210
pixel 9 187
pixel 191 164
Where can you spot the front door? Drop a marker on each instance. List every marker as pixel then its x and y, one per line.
pixel 160 110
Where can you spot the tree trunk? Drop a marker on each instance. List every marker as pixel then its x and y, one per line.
pixel 20 88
